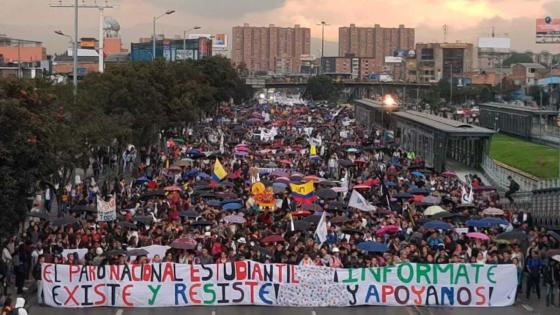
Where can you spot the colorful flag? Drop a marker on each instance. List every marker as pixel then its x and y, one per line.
pixel 359 202
pixel 303 193
pixel 219 172
pixel 313 150
pixel 322 231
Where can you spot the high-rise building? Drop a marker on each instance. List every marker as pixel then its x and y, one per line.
pixel 270 49
pixel 374 42
pixel 437 61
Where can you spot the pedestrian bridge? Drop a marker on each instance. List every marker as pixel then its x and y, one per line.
pixel 346 83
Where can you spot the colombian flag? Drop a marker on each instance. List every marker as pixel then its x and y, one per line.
pixel 303 193
pixel 219 173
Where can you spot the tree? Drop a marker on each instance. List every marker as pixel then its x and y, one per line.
pixel 321 88
pixel 517 58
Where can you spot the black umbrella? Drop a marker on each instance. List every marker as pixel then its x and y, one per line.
pixel 352 231
pixel 146 219
pixel 345 163
pixel 189 214
pixel 301 225
pixel 68 220
pixel 137 252
pixel 114 252
pixel 201 223
pixel 326 194
pixel 513 235
pixel 83 208
pixel 128 225
pixel 41 215
pixel 442 215
pixel 311 219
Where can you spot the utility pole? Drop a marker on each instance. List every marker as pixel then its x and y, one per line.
pixel 95 4
pixel 451 85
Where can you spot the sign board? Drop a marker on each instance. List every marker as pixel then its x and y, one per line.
pixel 391 59
pixel 184 54
pixel 548 30
pixel 219 41
pixel 253 283
pixel 106 210
pixel 494 42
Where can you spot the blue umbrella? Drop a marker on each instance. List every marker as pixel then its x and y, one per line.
pixel 142 180
pixel 371 246
pixel 494 221
pixel 437 225
pixel 202 175
pixel 232 206
pixel 191 173
pixel 390 184
pixel 417 174
pixel 478 224
pixel 214 203
pixel 419 191
pixel 402 195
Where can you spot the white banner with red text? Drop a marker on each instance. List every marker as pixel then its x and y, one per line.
pixel 252 283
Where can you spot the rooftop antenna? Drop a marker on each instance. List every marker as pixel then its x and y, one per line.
pixel 445 30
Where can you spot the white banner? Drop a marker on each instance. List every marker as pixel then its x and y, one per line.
pixel 251 283
pixel 106 210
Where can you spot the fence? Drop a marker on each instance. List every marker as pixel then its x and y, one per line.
pixel 541 197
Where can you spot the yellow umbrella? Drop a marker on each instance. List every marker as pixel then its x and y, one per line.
pixel 431 210
pixel 493 211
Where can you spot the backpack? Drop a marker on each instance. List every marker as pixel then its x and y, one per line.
pixel 514 186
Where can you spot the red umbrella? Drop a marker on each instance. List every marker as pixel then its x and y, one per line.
pixel 152 184
pixel 285 162
pixel 172 188
pixel 312 178
pixel 301 213
pixel 389 229
pixel 359 161
pixel 362 186
pixel 449 174
pixel 417 198
pixel 272 239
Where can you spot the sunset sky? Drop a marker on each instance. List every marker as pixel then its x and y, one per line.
pixel 466 19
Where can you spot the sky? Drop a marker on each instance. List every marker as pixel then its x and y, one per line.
pixel 466 19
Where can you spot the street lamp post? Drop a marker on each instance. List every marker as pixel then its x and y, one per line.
pixel 323 24
pixel 154 32
pixel 185 35
pixel 75 59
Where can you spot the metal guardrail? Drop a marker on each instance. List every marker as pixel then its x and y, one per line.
pixel 499 172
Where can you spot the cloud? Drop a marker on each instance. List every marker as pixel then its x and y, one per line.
pixel 228 9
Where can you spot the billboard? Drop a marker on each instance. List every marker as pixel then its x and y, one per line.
pixel 548 30
pixel 181 54
pixel 494 42
pixel 219 41
pixel 404 53
pixel 391 59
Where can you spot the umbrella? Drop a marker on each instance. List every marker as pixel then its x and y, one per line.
pixel 478 224
pixel 302 213
pixel 201 223
pixel 351 231
pixel 311 207
pixel 184 243
pixel 301 225
pixel 433 210
pixel 402 195
pixel 442 215
pixel 40 215
pixel 389 229
pixel 417 174
pixel 419 191
pixel 431 200
pixel 312 178
pixel 137 252
pixel 362 186
pixel 67 220
pixel 128 225
pixel 115 252
pixel 173 188
pixel 465 206
pixel 449 174
pixel 372 247
pixel 272 239
pixel 478 235
pixel 174 168
pixel 494 221
pixel 338 220
pixel 314 219
pixel 227 183
pixel 345 163
pixel 554 234
pixel 236 219
pixel 553 252
pixel 512 235
pixel 214 203
pixel 189 214
pixel 279 174
pixel 83 208
pixel 145 219
pixel 437 225
pixel 493 211
pixel 232 206
pixel 153 194
pixel 326 194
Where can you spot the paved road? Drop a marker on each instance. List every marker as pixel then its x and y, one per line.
pixel 519 309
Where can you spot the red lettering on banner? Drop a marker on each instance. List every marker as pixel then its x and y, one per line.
pixel 418 292
pixel 252 285
pixel 73 269
pixel 92 271
pixel 168 272
pixel 147 275
pixel 126 294
pixel 280 267
pixel 47 272
pixel 115 271
pixel 71 295
pixel 480 293
pixel 133 272
pixel 257 273
pixel 194 274
pixel 101 294
pixel 386 290
pixel 294 278
pixel 240 270
pixel 192 294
